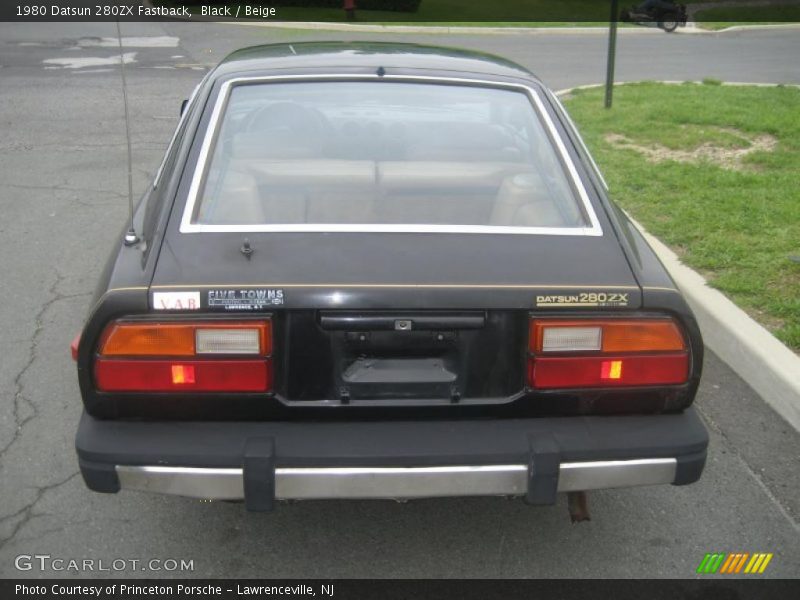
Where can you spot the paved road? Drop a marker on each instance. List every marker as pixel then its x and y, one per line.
pixel 62 201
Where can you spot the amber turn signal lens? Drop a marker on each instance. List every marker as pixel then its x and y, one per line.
pixel 148 339
pixel 642 336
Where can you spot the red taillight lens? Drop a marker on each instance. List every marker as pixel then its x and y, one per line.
pixel 187 376
pixel 185 356
pixel 549 372
pixel 606 353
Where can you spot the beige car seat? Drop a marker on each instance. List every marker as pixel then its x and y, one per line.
pixel 523 201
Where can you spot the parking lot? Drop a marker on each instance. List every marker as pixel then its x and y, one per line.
pixel 63 201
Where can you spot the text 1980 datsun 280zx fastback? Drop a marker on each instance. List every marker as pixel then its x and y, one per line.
pixel 383 271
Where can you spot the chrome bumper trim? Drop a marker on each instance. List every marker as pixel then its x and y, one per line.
pixel 394 482
pixel 408 482
pixel 192 482
pixel 598 475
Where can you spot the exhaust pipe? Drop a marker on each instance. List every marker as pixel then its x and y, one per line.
pixel 578 505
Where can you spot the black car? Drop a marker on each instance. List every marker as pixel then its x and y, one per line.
pixel 666 14
pixel 383 271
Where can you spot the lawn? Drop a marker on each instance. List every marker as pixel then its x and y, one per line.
pixel 520 12
pixel 504 13
pixel 525 13
pixel 727 16
pixel 712 171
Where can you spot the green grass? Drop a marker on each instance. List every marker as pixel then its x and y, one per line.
pixel 520 13
pixel 737 227
pixel 508 13
pixel 727 16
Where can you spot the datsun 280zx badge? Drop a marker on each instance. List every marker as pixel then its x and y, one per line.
pixel 583 299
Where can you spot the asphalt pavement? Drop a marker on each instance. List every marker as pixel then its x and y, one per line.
pixel 63 202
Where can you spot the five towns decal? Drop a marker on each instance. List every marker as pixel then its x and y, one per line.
pixel 255 299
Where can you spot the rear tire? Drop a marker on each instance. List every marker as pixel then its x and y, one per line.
pixel 668 26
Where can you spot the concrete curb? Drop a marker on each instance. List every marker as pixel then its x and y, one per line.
pixel 766 364
pixel 757 27
pixel 758 357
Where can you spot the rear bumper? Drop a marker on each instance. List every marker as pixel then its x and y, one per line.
pixel 263 461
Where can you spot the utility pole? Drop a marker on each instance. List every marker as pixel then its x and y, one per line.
pixel 612 51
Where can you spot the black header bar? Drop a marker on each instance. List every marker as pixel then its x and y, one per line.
pixel 385 12
pixel 229 589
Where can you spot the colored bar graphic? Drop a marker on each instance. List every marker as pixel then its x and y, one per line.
pixel 711 562
pixel 758 563
pixel 704 564
pixel 764 564
pixel 733 562
pixel 741 562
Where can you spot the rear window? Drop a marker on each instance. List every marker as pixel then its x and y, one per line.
pixel 383 153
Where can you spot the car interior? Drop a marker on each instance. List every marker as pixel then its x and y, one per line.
pixel 286 163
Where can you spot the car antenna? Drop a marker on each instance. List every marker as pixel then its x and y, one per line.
pixel 130 236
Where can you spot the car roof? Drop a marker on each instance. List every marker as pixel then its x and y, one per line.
pixel 348 55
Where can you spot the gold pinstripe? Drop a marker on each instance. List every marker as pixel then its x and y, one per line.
pixel 398 285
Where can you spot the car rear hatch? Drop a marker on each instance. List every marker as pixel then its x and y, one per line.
pixel 400 317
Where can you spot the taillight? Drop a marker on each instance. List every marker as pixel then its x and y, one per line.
pixel 606 353
pixel 203 356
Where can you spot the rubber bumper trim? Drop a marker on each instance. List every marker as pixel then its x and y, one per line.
pixel 260 448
